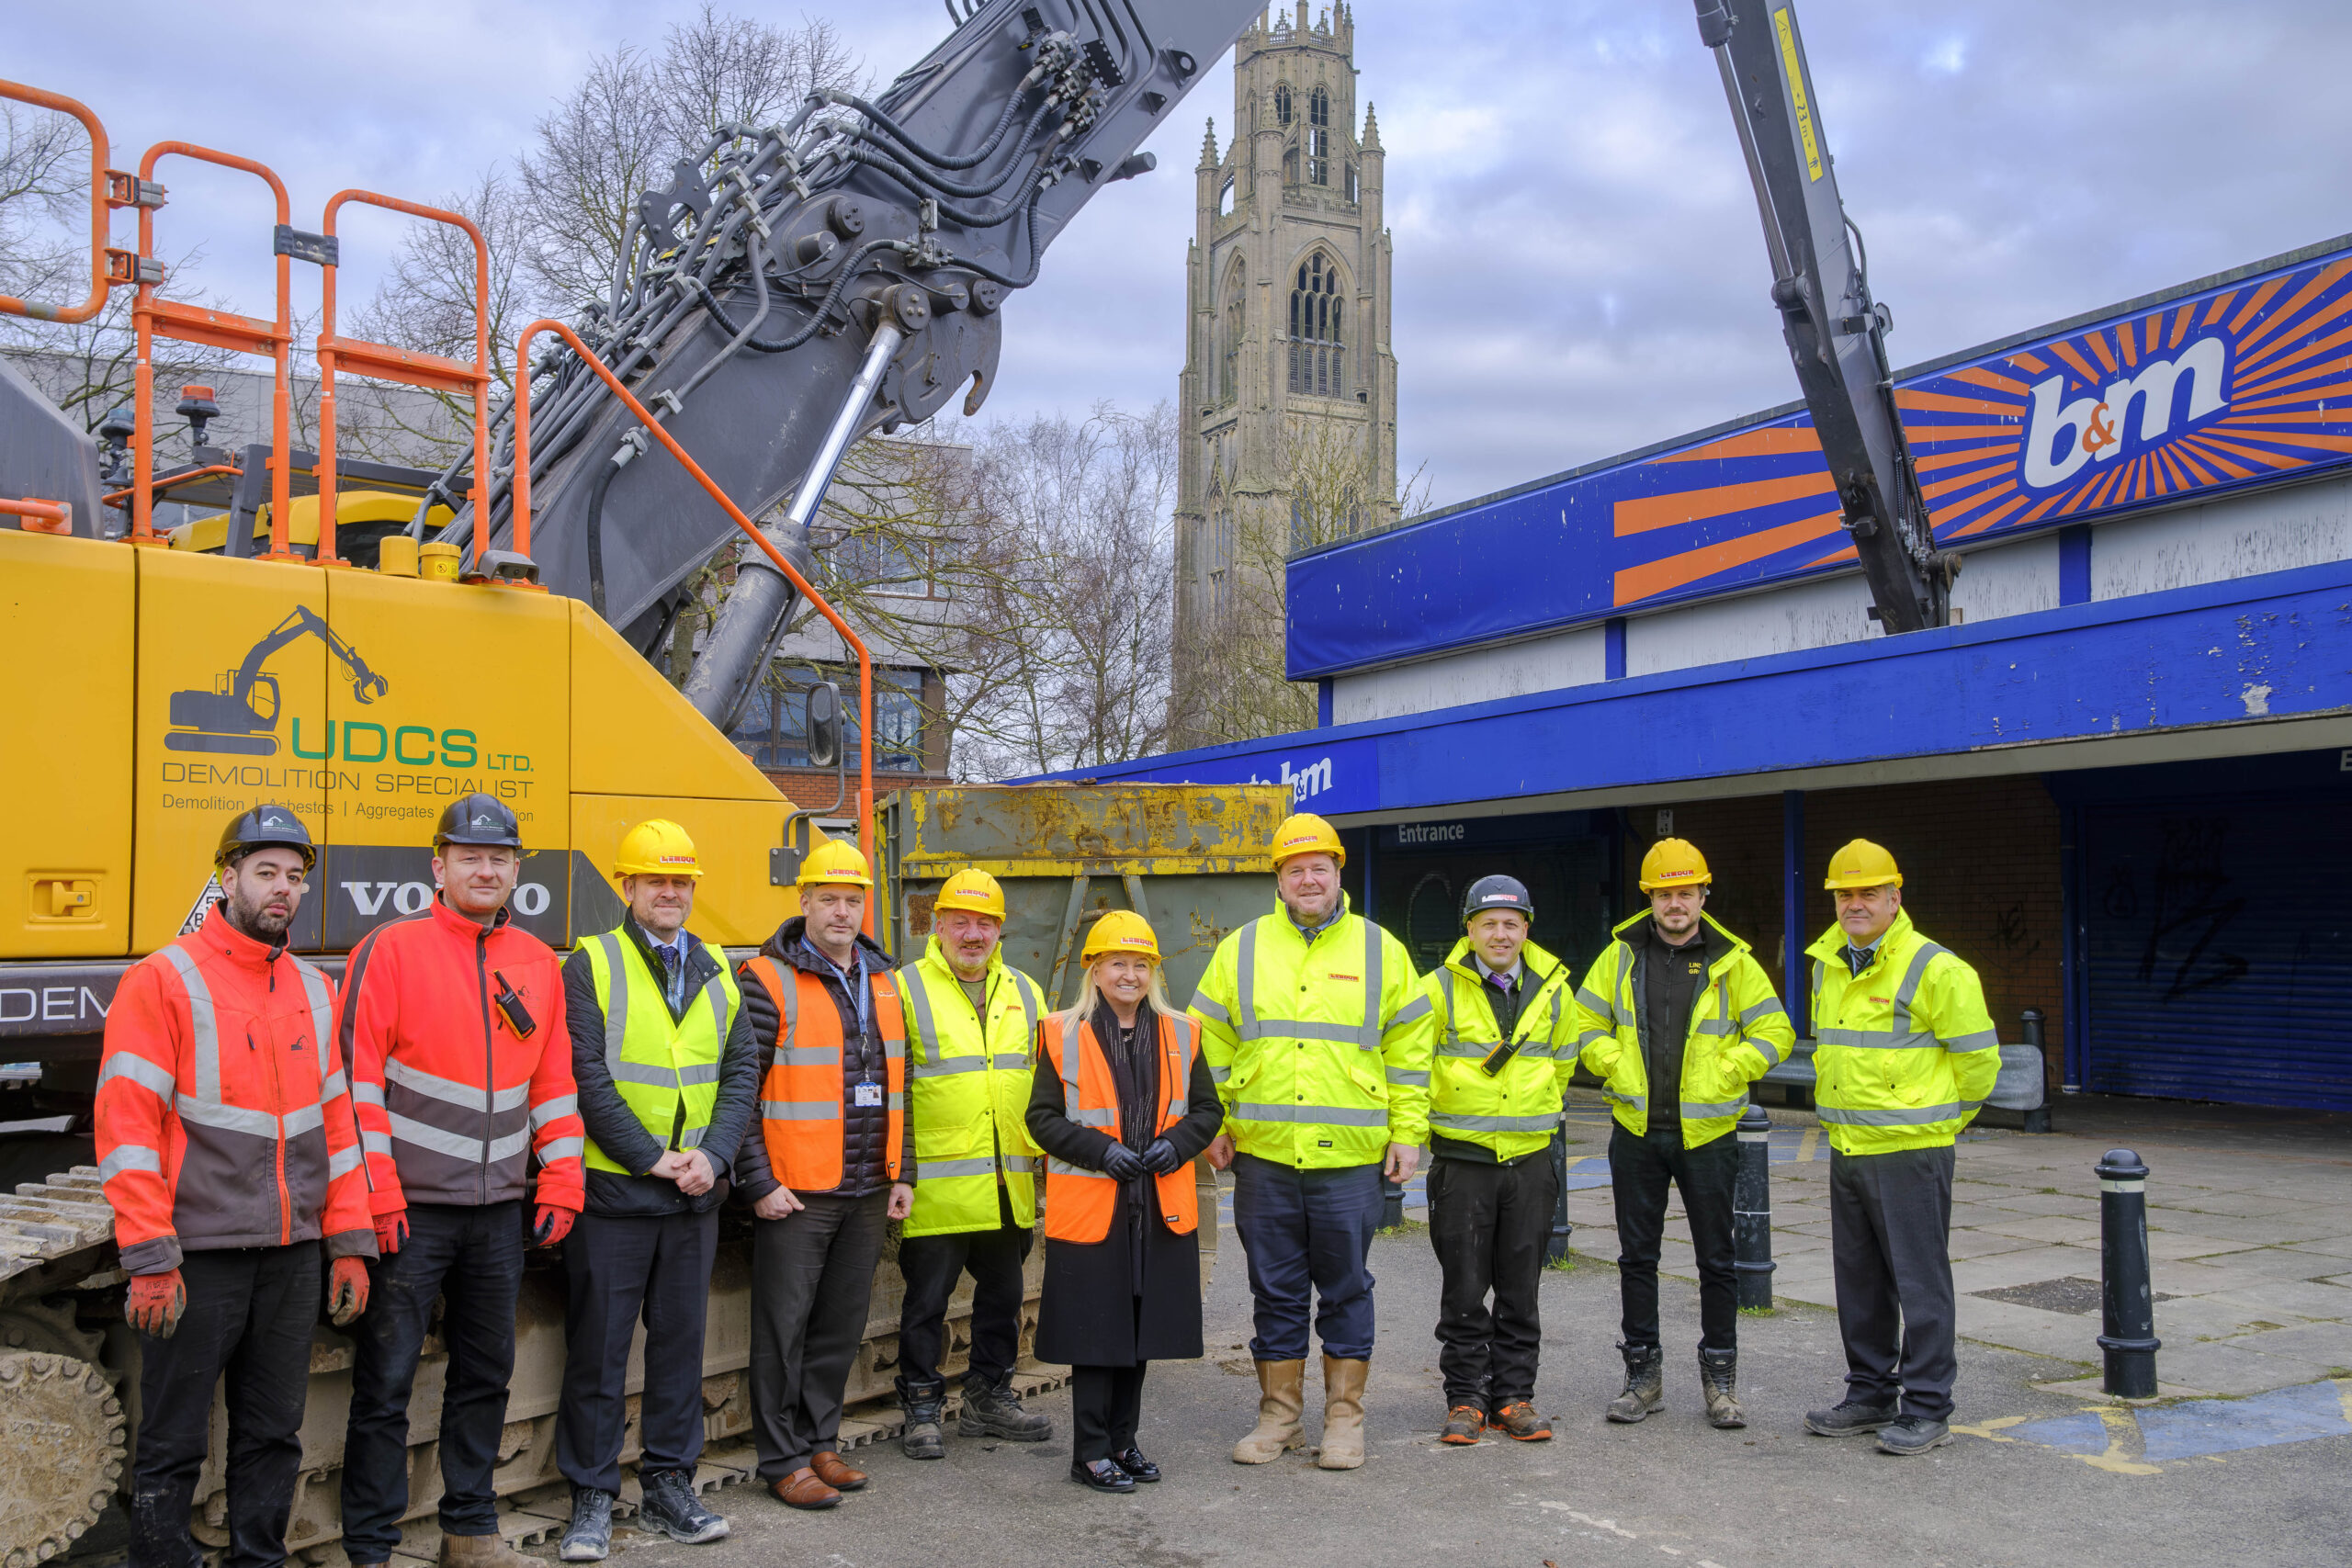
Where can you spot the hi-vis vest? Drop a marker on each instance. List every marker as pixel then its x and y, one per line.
pixel 1079 1201
pixel 1739 1033
pixel 801 1098
pixel 658 1064
pixel 968 1087
pixel 1511 1113
pixel 1907 1053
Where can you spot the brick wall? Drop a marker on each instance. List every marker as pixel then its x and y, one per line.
pixel 813 787
pixel 1980 874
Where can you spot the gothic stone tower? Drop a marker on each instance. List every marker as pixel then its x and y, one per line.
pixel 1287 294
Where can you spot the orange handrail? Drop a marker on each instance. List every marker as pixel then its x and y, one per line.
pixel 390 364
pixel 100 280
pixel 221 330
pixel 41 516
pixel 115 497
pixel 775 557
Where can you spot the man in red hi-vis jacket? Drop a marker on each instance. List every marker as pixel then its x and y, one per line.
pixel 452 1025
pixel 226 1141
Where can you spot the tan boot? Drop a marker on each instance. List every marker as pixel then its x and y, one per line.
pixel 482 1552
pixel 1280 1402
pixel 1342 1414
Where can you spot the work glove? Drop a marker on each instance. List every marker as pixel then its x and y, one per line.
pixel 391 1232
pixel 553 1226
pixel 156 1302
pixel 1123 1164
pixel 1160 1158
pixel 346 1291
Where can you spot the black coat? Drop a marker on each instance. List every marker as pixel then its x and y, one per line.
pixel 1093 1314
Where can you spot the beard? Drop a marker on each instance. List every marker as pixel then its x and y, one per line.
pixel 261 921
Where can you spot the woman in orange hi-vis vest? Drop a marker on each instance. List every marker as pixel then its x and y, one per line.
pixel 1122 1105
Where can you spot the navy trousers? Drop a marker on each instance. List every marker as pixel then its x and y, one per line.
pixel 621 1268
pixel 1308 1235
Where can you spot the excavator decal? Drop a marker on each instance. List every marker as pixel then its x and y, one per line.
pixel 238 715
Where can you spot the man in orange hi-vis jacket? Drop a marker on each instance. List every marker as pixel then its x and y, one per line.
pixel 453 1026
pixel 226 1141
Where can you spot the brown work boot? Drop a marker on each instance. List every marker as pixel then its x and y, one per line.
pixel 482 1551
pixel 1518 1419
pixel 1719 1381
pixel 1342 1414
pixel 803 1489
pixel 834 1472
pixel 1463 1425
pixel 1280 1402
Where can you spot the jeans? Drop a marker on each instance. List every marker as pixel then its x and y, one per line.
pixel 932 1265
pixel 471 1257
pixel 1639 1172
pixel 619 1268
pixel 1890 1243
pixel 1307 1233
pixel 249 1315
pixel 1490 1224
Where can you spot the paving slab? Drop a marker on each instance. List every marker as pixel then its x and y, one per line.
pixel 2052 1228
pixel 2030 1267
pixel 2175 1245
pixel 2327 1344
pixel 2222 1368
pixel 2282 1300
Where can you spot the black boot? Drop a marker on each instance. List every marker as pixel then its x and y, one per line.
pixel 1719 1381
pixel 1645 1383
pixel 923 1437
pixel 992 1410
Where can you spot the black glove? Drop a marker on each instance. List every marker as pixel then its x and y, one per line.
pixel 1123 1164
pixel 1160 1158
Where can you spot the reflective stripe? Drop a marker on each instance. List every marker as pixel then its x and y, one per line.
pixel 303 1119
pixel 1063 1167
pixel 226 1118
pixel 514 1144
pixel 1593 1004
pixel 645 1073
pixel 322 999
pixel 1320 1116
pixel 1457 1123
pixel 1922 1117
pixel 1365 1035
pixel 1694 1112
pixel 1307 1028
pixel 1917 971
pixel 1025 1165
pixel 141 1071
pixel 807 1056
pixel 1032 1008
pixel 616 1017
pixel 1011 1061
pixel 942 1169
pixel 1411 1011
pixel 343 1163
pixel 1467 1050
pixel 1592 1036
pixel 1757 1012
pixel 367 1093
pixel 1874 1039
pixel 949 1067
pixel 691 1137
pixel 799 1110
pixel 1712 1026
pixel 563 1148
pixel 1983 1040
pixel 699 1072
pixel 130 1157
pixel 375 1143
pixel 1246 980
pixel 1409 1076
pixel 424 1134
pixel 562 1105
pixel 1539 1050
pixel 331 1085
pixel 204 1026
pixel 1373 1028
pixel 468 1097
pixel 1210 1007
pixel 1219 1073
pixel 1449 1045
pixel 926 1033
pixel 1630 1101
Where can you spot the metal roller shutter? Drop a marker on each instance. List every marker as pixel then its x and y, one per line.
pixel 2217 952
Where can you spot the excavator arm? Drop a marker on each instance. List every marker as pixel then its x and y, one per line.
pixel 1835 331
pixel 797 286
pixel 365 684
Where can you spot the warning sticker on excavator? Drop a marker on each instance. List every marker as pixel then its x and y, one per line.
pixel 1785 30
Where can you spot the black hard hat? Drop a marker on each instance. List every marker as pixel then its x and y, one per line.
pixel 1497 892
pixel 478 820
pixel 265 826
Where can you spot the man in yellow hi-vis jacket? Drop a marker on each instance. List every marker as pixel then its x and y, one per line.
pixel 1678 1018
pixel 1907 1055
pixel 1317 1033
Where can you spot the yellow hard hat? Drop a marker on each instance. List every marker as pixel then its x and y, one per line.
pixel 1674 863
pixel 1306 834
pixel 1120 930
pixel 656 847
pixel 974 891
pixel 834 861
pixel 1862 864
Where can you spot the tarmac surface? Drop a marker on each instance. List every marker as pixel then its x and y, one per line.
pixel 2043 1470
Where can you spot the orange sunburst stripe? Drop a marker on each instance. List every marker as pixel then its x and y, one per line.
pixel 2275 377
pixel 2125 345
pixel 1990 519
pixel 1977 375
pixel 2309 439
pixel 1942 403
pixel 2173 472
pixel 1666 575
pixel 2294 416
pixel 2105 490
pixel 2155 326
pixel 1958 482
pixel 1645 513
pixel 2143 472
pixel 1778 441
pixel 2217 457
pixel 2097 341
pixel 2250 364
pixel 2073 356
pixel 1848 553
pixel 1921 435
pixel 2033 364
pixel 1983 498
pixel 2221 304
pixel 2300 395
pixel 2313 286
pixel 2042 511
pixel 2187 460
pixel 1973 454
pixel 2180 325
pixel 2273 460
pixel 2261 298
pixel 2318 345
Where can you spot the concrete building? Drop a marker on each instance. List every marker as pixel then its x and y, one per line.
pixel 2118 784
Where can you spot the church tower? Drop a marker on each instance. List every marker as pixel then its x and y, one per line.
pixel 1288 399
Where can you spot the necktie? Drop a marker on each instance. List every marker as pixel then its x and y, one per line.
pixel 1857 959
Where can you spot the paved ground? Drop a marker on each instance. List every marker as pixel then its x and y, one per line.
pixel 2251 1218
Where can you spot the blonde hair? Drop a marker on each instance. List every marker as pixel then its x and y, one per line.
pixel 1089 993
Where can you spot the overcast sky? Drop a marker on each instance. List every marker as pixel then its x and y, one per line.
pixel 1579 266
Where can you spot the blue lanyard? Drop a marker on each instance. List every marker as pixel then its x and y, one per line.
pixel 854 983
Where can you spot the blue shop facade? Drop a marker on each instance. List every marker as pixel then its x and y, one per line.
pixel 2117 783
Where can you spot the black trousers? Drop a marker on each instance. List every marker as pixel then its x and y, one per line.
pixel 812 1279
pixel 472 1259
pixel 1105 1403
pixel 1489 1225
pixel 249 1315
pixel 1890 1243
pixel 932 1265
pixel 621 1268
pixel 1640 1171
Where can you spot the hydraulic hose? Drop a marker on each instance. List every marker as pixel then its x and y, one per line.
pixel 906 138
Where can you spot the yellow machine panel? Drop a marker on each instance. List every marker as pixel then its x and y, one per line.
pixel 633 734
pixel 437 690
pixel 734 906
pixel 67 610
pixel 230 652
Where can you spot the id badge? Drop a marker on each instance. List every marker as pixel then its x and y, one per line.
pixel 868 1095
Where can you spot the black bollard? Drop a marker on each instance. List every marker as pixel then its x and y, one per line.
pixel 2130 1342
pixel 1751 1209
pixel 2037 1119
pixel 1556 1251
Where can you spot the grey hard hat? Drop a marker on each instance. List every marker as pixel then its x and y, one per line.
pixel 478 820
pixel 1497 892
pixel 267 825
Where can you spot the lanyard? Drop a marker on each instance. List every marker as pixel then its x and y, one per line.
pixel 854 983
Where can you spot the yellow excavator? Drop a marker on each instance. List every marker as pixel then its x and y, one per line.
pixel 796 287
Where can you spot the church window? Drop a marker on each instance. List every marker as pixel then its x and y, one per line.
pixel 1224 196
pixel 1290 166
pixel 1352 183
pixel 1229 375
pixel 1318 138
pixel 1317 363
pixel 1282 102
